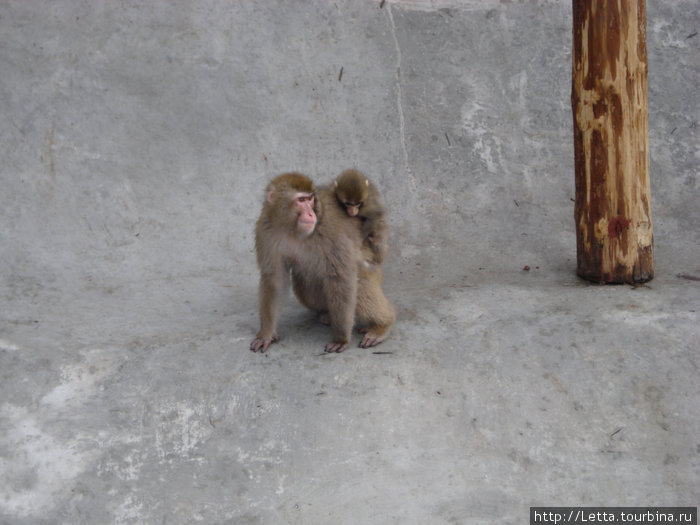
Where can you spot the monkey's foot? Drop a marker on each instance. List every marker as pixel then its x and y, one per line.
pixel 373 338
pixel 261 344
pixel 335 348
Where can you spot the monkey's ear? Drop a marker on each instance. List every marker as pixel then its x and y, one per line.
pixel 366 182
pixel 335 183
pixel 270 197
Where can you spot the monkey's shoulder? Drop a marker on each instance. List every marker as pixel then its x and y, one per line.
pixel 342 235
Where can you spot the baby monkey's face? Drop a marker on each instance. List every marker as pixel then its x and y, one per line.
pixel 352 190
pixel 352 208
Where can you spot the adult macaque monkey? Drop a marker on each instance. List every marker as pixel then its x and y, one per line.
pixel 362 199
pixel 303 234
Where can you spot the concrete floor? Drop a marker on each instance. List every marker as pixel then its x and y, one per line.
pixel 137 138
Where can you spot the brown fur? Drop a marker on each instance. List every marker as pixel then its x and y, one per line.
pixel 326 266
pixel 361 198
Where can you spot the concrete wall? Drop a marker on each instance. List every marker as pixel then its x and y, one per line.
pixel 138 136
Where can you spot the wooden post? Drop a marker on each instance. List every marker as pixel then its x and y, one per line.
pixel 614 234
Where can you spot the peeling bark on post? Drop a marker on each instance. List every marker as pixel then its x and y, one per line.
pixel 611 141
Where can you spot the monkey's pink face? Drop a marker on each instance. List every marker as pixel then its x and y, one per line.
pixel 306 217
pixel 352 209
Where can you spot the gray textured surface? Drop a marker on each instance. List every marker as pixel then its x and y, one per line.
pixel 136 141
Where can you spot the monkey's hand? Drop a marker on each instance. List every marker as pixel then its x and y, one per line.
pixel 334 347
pixel 261 344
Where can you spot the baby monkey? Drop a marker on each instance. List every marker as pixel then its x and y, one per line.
pixel 360 198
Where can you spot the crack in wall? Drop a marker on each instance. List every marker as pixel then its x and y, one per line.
pixel 399 98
